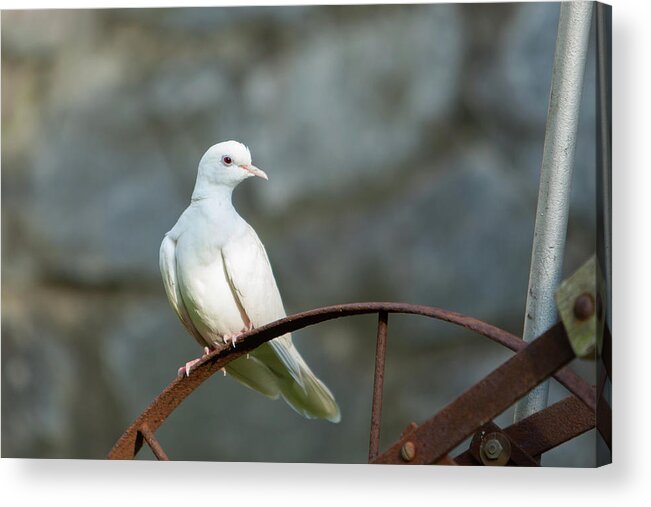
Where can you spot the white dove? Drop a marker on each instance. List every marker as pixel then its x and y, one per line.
pixel 219 281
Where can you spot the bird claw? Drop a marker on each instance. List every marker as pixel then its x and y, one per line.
pixel 232 338
pixel 188 366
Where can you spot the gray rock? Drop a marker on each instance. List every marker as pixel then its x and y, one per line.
pixel 514 87
pixel 352 102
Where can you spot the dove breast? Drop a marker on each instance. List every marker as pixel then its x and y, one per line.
pixel 204 285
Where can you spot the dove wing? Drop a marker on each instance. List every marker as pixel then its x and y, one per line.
pixel 167 260
pixel 254 286
pixel 251 277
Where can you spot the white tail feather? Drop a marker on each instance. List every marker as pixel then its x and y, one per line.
pixel 255 375
pixel 266 371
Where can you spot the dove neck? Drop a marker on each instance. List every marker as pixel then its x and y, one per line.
pixel 220 193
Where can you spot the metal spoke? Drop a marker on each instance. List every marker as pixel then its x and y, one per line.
pixel 153 443
pixel 378 385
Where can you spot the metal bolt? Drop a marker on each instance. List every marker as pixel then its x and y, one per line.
pixel 584 306
pixel 408 451
pixel 493 449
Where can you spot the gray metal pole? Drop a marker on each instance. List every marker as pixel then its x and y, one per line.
pixel 555 179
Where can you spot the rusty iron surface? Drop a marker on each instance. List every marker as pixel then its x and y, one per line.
pixel 550 428
pixel 578 387
pixel 410 427
pixel 378 385
pixel 486 399
pixel 517 455
pixel 166 402
pixel 546 429
pixel 151 440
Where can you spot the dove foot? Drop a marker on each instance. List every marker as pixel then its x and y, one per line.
pixel 232 338
pixel 185 370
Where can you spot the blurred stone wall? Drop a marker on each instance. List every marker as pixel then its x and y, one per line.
pixel 403 145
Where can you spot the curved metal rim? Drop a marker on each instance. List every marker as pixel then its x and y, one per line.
pixel 180 388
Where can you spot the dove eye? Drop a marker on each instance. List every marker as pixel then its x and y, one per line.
pixel 227 160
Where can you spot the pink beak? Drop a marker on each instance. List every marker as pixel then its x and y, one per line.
pixel 255 171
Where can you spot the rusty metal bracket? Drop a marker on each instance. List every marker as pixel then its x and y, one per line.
pixel 489 397
pixel 546 429
pixel 576 299
pixel 492 446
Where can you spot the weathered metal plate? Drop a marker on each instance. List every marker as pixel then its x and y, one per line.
pixel 576 299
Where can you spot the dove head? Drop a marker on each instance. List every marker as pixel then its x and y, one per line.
pixel 223 167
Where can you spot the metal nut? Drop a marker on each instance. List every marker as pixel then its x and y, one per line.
pixel 493 449
pixel 408 451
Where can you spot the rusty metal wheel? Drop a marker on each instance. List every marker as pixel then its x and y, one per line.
pixel 431 441
pixel 534 360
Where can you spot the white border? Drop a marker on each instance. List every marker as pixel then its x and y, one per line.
pixel 76 482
